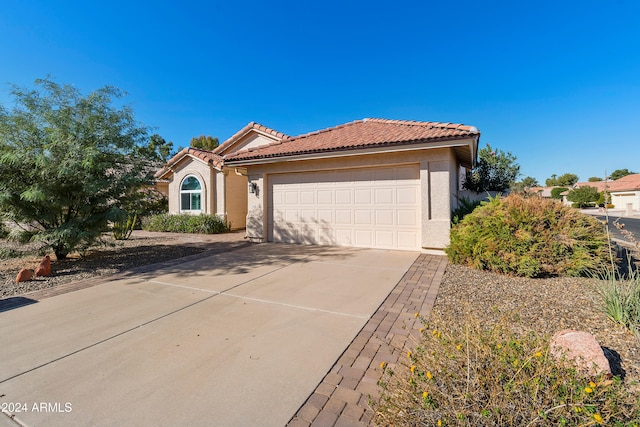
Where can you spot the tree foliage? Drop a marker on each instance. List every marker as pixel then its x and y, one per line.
pixel 583 196
pixel 594 179
pixel 565 180
pixel 556 192
pixel 204 142
pixel 524 186
pixel 70 162
pixel 619 173
pixel 496 171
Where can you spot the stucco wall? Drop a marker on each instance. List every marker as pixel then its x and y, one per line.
pixel 436 168
pixel 620 200
pixel 236 199
pixel 251 140
pixel 204 173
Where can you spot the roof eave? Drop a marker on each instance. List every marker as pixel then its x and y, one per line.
pixel 353 151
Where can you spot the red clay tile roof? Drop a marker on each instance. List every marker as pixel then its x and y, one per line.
pixel 359 134
pixel 204 155
pixel 244 130
pixel 626 183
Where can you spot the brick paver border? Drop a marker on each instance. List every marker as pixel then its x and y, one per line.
pixel 342 397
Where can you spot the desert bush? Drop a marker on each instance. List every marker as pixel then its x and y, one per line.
pixel 530 237
pixel 474 375
pixel 4 231
pixel 465 207
pixel 185 223
pixel 8 253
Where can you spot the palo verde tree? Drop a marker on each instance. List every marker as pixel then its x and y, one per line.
pixel 495 171
pixel 68 163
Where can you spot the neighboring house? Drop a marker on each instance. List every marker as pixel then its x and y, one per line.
pixel 369 183
pixel 197 181
pixel 625 192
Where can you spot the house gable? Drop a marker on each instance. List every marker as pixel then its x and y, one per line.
pixel 251 136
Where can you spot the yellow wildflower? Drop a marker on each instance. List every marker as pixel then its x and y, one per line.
pixel 459 346
pixel 577 409
pixel 409 354
pixel 383 365
pixel 598 418
pixel 429 376
pixel 425 394
pixel 439 423
pixel 413 368
pixel 515 363
pixel 588 390
pixel 417 314
pixel 421 330
pixel 592 384
pixel 538 354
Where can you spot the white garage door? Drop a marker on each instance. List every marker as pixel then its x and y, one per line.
pixel 373 207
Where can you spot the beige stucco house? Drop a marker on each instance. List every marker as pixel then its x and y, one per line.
pixel 197 181
pixel 369 183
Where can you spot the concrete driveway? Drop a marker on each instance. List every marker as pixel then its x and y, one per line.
pixel 235 339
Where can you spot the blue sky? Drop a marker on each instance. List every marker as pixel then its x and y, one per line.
pixel 556 83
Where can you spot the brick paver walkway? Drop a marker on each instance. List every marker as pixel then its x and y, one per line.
pixel 342 398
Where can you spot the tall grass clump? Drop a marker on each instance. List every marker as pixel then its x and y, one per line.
pixel 618 291
pixel 185 223
pixel 473 375
pixel 620 298
pixel 530 237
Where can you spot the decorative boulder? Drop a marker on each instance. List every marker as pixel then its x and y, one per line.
pixel 24 275
pixel 44 269
pixel 583 350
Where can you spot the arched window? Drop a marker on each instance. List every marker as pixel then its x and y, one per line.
pixel 191 194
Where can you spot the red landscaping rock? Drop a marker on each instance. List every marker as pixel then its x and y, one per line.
pixel 582 349
pixel 44 269
pixel 24 275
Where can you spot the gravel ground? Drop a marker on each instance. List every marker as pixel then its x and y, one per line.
pixel 143 248
pixel 544 306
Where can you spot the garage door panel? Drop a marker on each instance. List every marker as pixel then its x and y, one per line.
pixel 384 195
pixel 373 207
pixel 384 238
pixel 344 237
pixel 325 197
pixel 364 237
pixel 343 197
pixel 384 217
pixel 407 240
pixel 407 218
pixel 362 196
pixel 343 216
pixel 407 196
pixel 363 217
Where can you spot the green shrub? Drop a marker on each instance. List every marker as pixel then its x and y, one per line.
pixel 465 207
pixel 185 223
pixel 531 237
pixel 474 375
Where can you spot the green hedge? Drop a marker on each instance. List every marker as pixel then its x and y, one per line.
pixel 185 223
pixel 529 237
